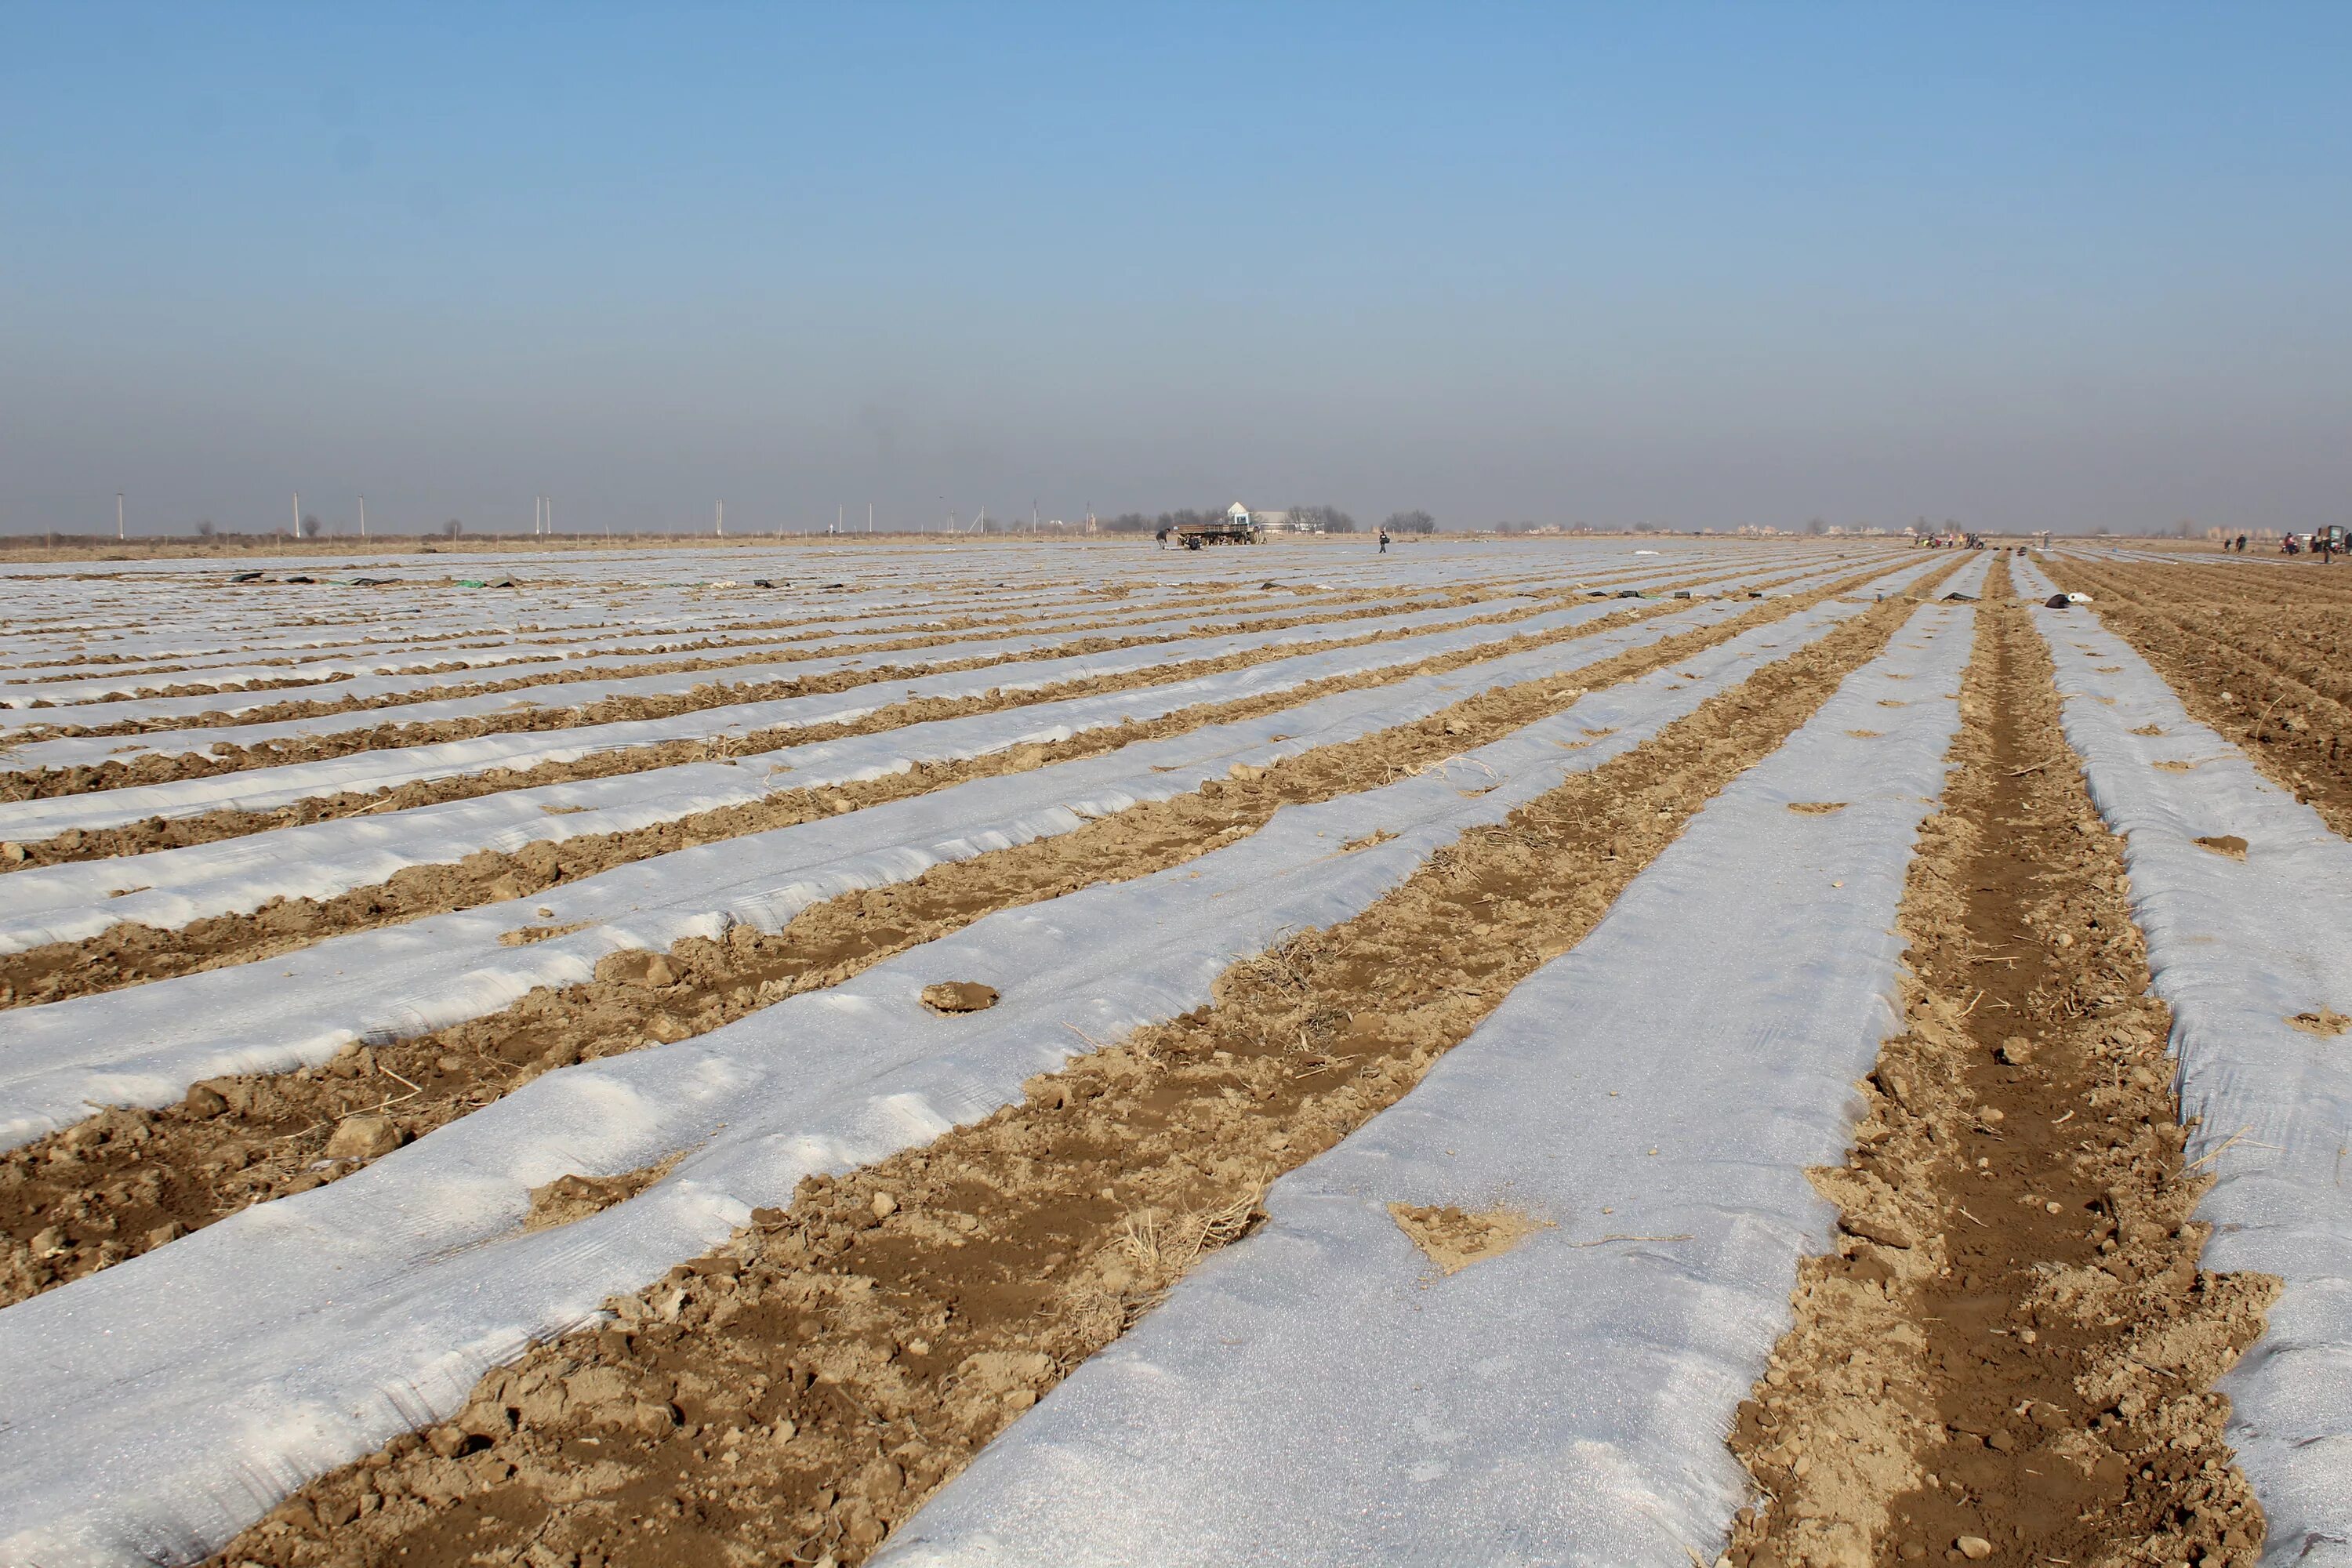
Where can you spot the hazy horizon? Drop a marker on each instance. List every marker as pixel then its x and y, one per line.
pixel 1689 265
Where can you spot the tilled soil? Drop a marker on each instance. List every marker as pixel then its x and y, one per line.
pixel 2010 1356
pixel 2262 656
pixel 131 953
pixel 794 1395
pixel 126 1179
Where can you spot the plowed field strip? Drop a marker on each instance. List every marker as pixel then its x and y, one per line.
pixel 1086 635
pixel 226 757
pixel 758 636
pixel 2010 1356
pixel 128 1180
pixel 2271 582
pixel 2287 704
pixel 129 954
pixel 247 746
pixel 798 1392
pixel 211 826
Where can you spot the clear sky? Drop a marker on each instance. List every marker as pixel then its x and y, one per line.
pixel 2066 265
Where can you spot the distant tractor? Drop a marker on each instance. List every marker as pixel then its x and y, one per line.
pixel 1236 527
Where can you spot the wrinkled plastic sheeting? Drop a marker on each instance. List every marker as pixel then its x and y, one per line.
pixel 1317 1394
pixel 302 1333
pixel 2238 949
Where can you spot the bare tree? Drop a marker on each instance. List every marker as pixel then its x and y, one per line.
pixel 1414 521
pixel 310 528
pixel 1330 519
pixel 205 529
pixel 452 529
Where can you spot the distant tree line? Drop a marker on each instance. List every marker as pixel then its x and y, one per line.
pixel 1411 522
pixel 1330 519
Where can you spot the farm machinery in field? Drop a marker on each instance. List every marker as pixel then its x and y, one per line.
pixel 1218 531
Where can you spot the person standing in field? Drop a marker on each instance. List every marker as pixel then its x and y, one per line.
pixel 1384 541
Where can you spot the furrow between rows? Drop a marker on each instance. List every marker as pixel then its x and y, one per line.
pixel 2010 1350
pixel 2246 898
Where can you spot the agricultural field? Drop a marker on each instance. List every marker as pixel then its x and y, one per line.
pixel 1595 1051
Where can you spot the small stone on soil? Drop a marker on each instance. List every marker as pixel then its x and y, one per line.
pixel 364 1138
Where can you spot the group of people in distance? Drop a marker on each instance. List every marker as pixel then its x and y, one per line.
pixel 2324 542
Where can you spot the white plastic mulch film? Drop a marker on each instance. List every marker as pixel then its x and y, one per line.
pixel 146 1043
pixel 1645 1106
pixel 155 1408
pixel 2246 901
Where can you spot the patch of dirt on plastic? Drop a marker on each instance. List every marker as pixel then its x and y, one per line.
pixel 1453 1239
pixel 797 1393
pixel 1816 807
pixel 119 1183
pixel 2010 1355
pixel 525 936
pixel 2328 1022
pixel 2228 845
pixel 567 1200
pixel 951 996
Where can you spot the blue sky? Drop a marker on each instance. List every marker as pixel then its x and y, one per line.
pixel 2030 266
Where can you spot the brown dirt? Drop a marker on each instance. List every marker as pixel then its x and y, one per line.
pixel 2013 1346
pixel 797 1393
pixel 131 953
pixel 2263 657
pixel 122 1182
pixel 1455 1239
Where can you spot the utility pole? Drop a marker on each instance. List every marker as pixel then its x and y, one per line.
pixel 297 514
pixel 838 512
pixel 869 517
pixel 363 517
pixel 722 520
pixel 118 514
